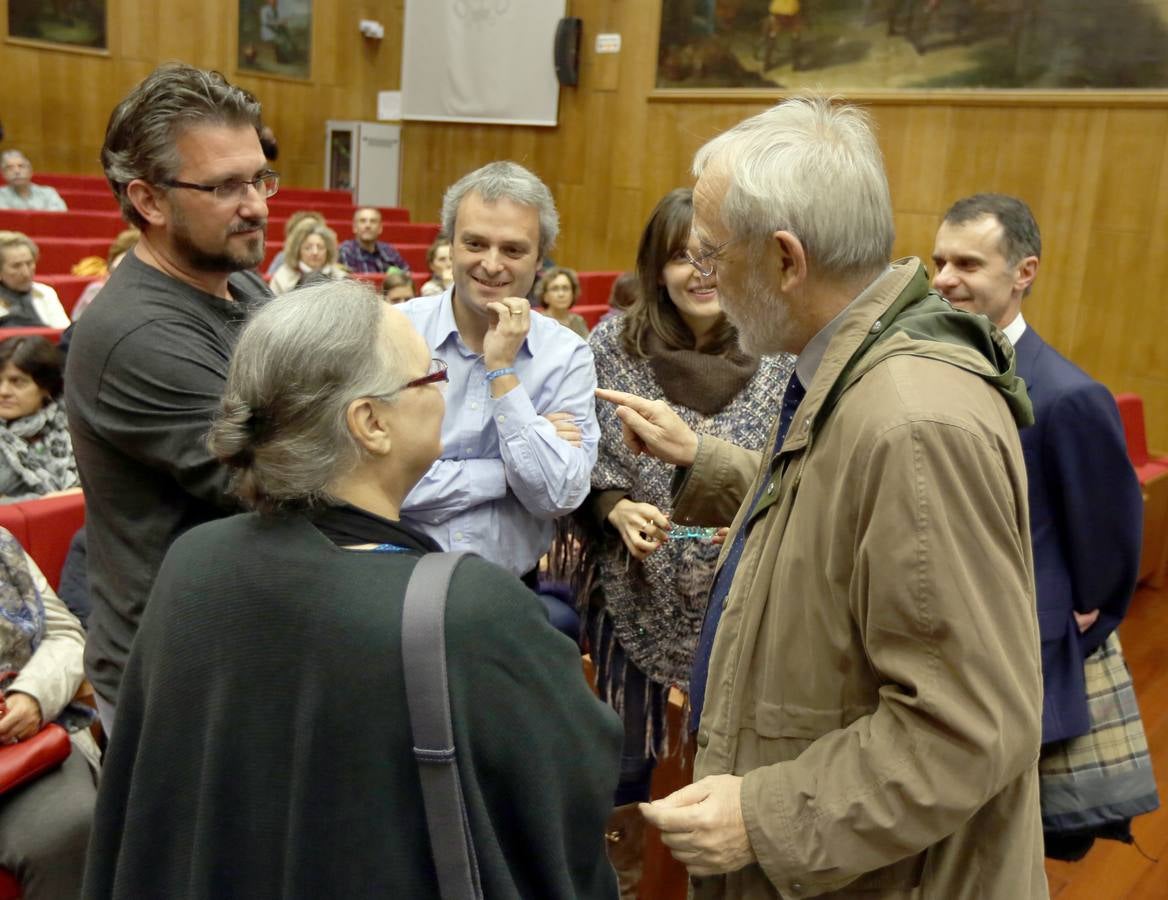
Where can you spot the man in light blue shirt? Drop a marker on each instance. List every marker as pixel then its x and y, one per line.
pixel 20 192
pixel 520 430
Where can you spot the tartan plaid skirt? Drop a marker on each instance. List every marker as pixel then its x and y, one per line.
pixel 1105 776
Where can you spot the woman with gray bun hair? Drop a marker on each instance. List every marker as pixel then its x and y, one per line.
pixel 262 739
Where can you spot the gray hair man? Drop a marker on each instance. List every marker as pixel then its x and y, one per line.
pixel 19 192
pixel 520 431
pixel 148 362
pixel 866 689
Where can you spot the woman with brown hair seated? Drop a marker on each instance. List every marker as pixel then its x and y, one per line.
pixel 36 452
pixel 262 745
pixel 557 292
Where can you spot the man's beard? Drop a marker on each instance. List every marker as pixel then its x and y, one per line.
pixel 222 260
pixel 761 316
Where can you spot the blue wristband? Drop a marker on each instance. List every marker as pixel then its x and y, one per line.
pixel 499 373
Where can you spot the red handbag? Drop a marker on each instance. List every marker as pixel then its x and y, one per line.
pixel 29 759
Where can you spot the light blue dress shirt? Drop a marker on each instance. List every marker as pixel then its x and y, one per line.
pixel 504 475
pixel 41 197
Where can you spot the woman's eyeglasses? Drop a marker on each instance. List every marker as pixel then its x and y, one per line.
pixel 436 375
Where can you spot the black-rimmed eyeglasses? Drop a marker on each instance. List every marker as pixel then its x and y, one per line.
pixel 706 261
pixel 266 186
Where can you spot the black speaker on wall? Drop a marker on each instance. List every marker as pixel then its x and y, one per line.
pixel 567 52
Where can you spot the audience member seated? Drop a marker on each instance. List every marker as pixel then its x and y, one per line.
pixel 255 767
pixel 23 301
pixel 44 824
pixel 557 292
pixel 363 252
pixel 20 192
pixel 121 245
pixel 441 263
pixel 397 286
pixel 311 250
pixel 36 453
pixel 289 226
pixel 622 295
pixel 73 588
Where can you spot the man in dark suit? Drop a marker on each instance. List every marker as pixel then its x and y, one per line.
pixel 1085 506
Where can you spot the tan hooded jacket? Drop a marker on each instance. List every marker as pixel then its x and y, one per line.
pixel 875 674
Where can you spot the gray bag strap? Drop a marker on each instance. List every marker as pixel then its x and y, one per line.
pixel 428 697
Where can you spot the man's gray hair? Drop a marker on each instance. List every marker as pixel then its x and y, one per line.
pixel 505 180
pixel 814 169
pixel 298 365
pixel 13 152
pixel 144 128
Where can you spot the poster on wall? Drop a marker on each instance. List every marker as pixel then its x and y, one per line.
pixel 859 45
pixel 77 23
pixel 275 37
pixel 486 61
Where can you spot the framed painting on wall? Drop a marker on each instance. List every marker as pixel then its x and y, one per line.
pixel 856 46
pixel 275 37
pixel 76 24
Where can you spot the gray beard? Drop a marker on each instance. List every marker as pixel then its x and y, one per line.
pixel 760 317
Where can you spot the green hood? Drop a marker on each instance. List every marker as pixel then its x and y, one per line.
pixel 936 330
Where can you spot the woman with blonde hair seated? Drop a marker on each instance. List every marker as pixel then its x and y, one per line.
pixel 311 252
pixel 398 286
pixel 263 744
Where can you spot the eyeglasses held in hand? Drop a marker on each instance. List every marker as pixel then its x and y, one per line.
pixel 694 532
pixel 266 186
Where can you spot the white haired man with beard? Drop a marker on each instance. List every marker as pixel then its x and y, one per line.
pixel 148 363
pixel 866 690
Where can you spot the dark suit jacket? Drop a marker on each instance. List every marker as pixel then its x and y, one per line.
pixel 1086 516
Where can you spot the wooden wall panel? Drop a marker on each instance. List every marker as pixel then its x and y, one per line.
pixel 1096 175
pixel 58 115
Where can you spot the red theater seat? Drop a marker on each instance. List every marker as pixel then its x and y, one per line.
pixel 1131 412
pixel 595 287
pixel 52 522
pixel 1152 471
pixel 59 255
pixel 10 888
pixel 12 518
pixel 102 200
pixel 95 182
pixel 69 287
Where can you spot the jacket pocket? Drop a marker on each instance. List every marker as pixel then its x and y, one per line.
pixel 774 720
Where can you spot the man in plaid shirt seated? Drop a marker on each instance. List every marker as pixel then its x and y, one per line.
pixel 363 252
